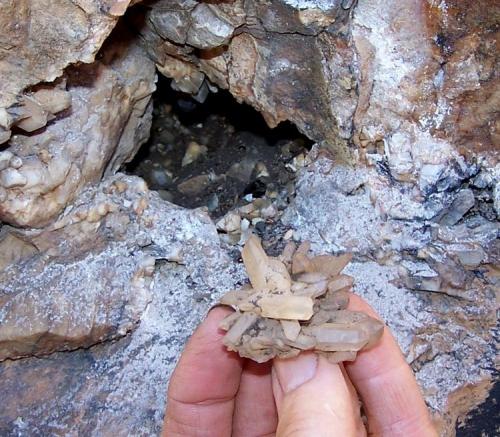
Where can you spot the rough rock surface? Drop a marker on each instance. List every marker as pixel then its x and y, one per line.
pixel 289 62
pixel 38 41
pixel 109 118
pixel 342 69
pixel 433 283
pixel 49 297
pixel 119 387
pixel 407 90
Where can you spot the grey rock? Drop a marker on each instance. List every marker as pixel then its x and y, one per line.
pixel 120 387
pixel 496 198
pixel 85 282
pixel 208 29
pixel 462 202
pixel 416 298
pixel 159 178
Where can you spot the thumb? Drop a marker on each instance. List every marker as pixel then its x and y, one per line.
pixel 312 398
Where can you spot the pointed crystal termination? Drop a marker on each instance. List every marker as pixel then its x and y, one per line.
pixel 296 302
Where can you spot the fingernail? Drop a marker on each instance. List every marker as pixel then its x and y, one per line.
pixel 293 372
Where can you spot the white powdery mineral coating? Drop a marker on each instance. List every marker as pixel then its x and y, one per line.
pixel 333 210
pixel 122 385
pixel 144 366
pixel 324 5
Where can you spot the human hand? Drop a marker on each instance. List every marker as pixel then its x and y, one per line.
pixel 214 392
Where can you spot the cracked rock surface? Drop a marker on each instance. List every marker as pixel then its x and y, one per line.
pixel 38 42
pixel 105 118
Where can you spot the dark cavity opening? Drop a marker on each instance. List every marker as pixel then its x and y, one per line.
pixel 219 153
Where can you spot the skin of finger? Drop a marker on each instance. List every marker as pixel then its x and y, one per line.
pixel 356 404
pixel 255 411
pixel 200 399
pixel 387 386
pixel 321 406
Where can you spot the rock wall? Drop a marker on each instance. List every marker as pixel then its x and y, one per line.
pixel 74 126
pixel 401 97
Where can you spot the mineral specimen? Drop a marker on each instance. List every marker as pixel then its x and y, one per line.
pixel 294 303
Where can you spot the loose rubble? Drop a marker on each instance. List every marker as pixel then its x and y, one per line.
pixel 219 155
pixel 295 303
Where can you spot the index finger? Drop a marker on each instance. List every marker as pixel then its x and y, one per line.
pixel 387 386
pixel 203 387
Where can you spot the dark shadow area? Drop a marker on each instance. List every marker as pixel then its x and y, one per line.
pixel 484 421
pixel 215 153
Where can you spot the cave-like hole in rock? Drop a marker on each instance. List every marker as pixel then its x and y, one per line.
pixel 219 154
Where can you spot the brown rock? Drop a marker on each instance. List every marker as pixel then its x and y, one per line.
pixel 120 83
pixel 38 41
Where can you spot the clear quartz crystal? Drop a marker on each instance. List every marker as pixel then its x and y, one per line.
pixel 295 302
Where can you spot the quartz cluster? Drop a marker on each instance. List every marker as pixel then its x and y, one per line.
pixel 293 303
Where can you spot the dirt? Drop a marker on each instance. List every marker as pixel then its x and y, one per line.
pixel 244 158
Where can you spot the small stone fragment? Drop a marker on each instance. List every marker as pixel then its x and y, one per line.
pixel 194 185
pixel 193 152
pixel 461 204
pixel 231 222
